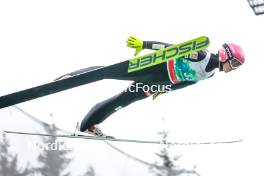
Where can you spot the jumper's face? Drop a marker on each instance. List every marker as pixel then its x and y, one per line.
pixel 227 67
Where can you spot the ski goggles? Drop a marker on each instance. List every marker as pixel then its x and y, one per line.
pixel 233 61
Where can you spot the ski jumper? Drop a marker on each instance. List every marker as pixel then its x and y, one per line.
pixel 178 73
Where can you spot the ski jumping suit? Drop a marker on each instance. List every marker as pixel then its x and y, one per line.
pixel 178 73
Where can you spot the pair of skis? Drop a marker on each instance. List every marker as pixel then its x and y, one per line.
pixel 81 135
pixel 123 140
pixel 114 71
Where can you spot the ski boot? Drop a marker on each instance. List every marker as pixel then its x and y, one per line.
pixel 94 130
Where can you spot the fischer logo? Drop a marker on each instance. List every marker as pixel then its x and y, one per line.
pixel 169 53
pixel 229 52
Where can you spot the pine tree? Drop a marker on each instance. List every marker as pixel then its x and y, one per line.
pixel 90 172
pixel 8 161
pixel 53 162
pixel 166 165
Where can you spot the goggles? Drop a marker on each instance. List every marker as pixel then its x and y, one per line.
pixel 233 61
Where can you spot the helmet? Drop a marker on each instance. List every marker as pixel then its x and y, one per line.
pixel 233 54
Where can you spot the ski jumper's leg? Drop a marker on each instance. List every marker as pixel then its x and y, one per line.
pixel 78 78
pixel 101 111
pixel 104 109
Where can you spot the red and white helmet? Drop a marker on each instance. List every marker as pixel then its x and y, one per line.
pixel 233 54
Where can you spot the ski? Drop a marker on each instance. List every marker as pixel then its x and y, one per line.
pixel 124 68
pixel 172 52
pixel 120 140
pixel 84 137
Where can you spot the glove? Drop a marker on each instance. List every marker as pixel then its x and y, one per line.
pixel 133 42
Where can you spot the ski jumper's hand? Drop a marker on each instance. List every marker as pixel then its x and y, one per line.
pixel 133 42
pixel 156 94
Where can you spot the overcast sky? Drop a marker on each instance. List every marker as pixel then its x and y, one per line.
pixel 41 40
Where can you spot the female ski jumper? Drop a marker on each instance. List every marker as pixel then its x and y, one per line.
pixel 176 74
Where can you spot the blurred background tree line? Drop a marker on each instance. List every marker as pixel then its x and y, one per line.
pixel 55 162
